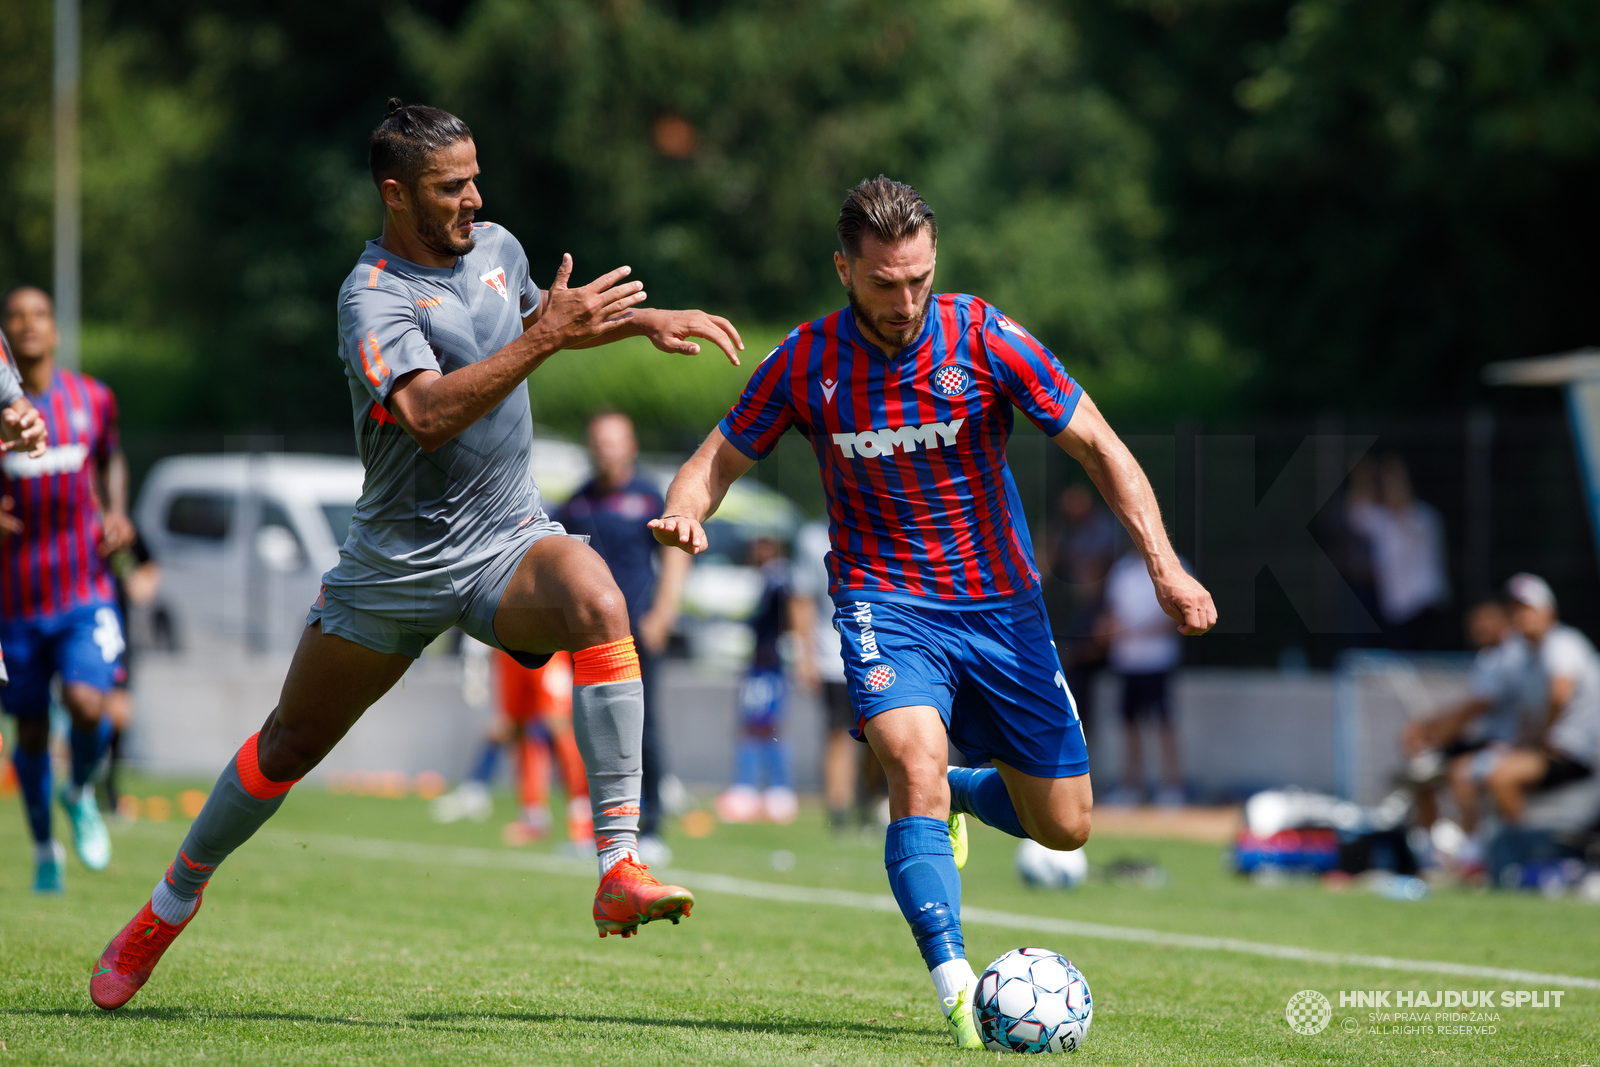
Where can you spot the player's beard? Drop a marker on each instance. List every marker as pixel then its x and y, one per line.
pixel 885 336
pixel 442 239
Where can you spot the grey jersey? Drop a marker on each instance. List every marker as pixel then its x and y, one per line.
pixel 10 381
pixel 1566 653
pixel 426 510
pixel 1501 677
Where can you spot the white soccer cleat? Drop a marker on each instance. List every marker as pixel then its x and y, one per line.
pixel 469 800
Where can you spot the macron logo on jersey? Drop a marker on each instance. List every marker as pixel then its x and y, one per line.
pixel 57 459
pixel 496 280
pixel 870 444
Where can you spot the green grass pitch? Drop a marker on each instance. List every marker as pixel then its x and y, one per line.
pixel 306 955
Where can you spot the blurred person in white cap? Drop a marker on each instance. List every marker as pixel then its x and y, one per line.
pixel 1564 740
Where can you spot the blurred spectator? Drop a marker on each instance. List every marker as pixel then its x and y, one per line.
pixel 1143 650
pixel 138 578
pixel 850 772
pixel 1406 539
pixel 762 752
pixel 1564 742
pixel 1463 744
pixel 612 509
pixel 533 718
pixel 1085 546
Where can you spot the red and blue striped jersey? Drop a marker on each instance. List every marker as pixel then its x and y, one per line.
pixel 54 564
pixel 921 504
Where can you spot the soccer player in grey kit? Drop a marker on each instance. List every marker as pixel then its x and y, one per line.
pixel 439 327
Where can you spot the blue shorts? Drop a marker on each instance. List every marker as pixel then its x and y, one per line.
pixel 992 672
pixel 83 645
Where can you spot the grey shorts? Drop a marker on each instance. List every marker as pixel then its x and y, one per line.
pixel 404 613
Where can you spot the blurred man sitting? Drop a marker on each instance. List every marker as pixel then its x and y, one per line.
pixel 1465 743
pixel 1565 740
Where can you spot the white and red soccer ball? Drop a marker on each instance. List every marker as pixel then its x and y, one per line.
pixel 1033 1000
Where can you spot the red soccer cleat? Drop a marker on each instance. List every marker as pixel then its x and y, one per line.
pixel 629 896
pixel 126 963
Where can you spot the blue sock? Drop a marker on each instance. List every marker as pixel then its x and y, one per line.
pixel 982 793
pixel 488 759
pixel 87 748
pixel 926 885
pixel 33 775
pixel 747 761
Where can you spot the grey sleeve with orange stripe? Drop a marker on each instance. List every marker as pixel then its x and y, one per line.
pixel 380 337
pixel 10 383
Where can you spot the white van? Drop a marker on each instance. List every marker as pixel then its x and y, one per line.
pixel 243 541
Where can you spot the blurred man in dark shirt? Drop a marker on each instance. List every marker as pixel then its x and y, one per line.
pixel 612 509
pixel 1086 544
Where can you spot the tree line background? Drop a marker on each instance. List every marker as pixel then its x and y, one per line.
pixel 1207 208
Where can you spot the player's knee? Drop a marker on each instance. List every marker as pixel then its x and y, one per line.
pixel 1064 832
pixel 603 613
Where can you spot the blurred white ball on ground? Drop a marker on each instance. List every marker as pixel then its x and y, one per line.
pixel 1049 868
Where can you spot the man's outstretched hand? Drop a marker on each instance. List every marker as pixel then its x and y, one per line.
pixel 22 429
pixel 10 525
pixel 589 311
pixel 678 531
pixel 670 331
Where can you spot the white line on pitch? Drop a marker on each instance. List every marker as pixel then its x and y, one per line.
pixel 461 856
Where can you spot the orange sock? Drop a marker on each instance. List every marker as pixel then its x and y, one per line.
pixel 613 662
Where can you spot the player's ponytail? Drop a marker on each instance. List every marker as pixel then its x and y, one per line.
pixel 407 136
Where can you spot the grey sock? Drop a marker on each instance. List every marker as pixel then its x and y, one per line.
pixel 230 816
pixel 608 722
pixel 166 903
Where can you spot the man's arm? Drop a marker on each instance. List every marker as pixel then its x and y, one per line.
pixel 803 621
pixel 116 529
pixel 697 491
pixel 1563 688
pixel 433 408
pixel 1439 730
pixel 1090 440
pixel 667 330
pixel 655 629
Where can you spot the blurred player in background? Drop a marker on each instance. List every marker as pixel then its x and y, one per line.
pixel 906 398
pixel 440 325
pixel 611 509
pixel 16 412
pixel 1142 647
pixel 763 773
pixel 533 720
pixel 1087 542
pixel 1564 742
pixel 138 579
pixel 851 774
pixel 62 514
pixel 1459 747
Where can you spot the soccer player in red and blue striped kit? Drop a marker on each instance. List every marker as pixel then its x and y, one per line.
pixel 907 398
pixel 62 514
